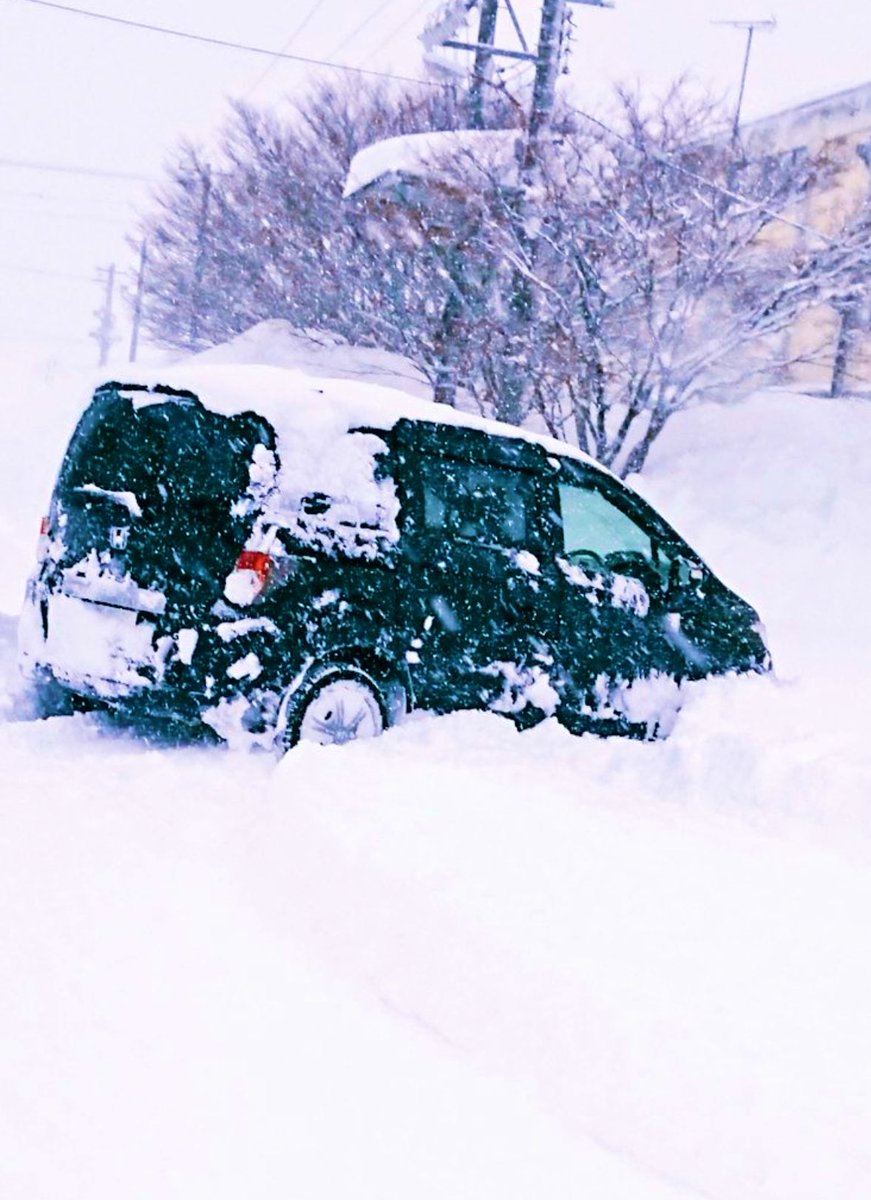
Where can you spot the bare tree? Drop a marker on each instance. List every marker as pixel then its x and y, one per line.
pixel 273 238
pixel 650 266
pixel 663 270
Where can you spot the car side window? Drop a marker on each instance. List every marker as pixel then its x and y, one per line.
pixel 597 534
pixel 592 522
pixel 477 502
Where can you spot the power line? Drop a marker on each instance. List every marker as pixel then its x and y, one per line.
pixel 62 168
pixel 301 26
pixel 403 24
pixel 35 200
pixel 38 335
pixel 350 37
pixel 228 45
pixel 665 161
pixel 47 215
pixel 287 45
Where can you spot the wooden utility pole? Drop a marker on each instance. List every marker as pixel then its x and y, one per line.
pixel 137 301
pixel 105 331
pixel 554 14
pixel 200 261
pixel 846 326
pixel 547 62
pixel 441 33
pixel 546 58
pixel 483 62
pixel 550 37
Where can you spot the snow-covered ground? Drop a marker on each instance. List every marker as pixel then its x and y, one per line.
pixel 461 961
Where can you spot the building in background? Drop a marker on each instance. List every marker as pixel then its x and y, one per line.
pixel 831 347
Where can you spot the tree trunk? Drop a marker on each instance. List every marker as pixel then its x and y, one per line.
pixel 638 455
pixel 842 350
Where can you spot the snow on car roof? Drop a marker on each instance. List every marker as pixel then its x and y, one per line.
pixel 302 408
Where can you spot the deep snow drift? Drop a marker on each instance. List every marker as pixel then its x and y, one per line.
pixel 460 961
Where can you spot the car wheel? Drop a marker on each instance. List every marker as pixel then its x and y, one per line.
pixel 338 705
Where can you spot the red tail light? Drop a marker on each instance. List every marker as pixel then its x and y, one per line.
pixel 249 577
pixel 258 562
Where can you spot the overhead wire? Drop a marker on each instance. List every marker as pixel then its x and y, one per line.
pixel 359 29
pixel 104 204
pixel 403 24
pixel 62 168
pixel 287 45
pixel 48 215
pixel 274 54
pixel 728 193
pixel 301 26
pixel 226 44
pixel 53 274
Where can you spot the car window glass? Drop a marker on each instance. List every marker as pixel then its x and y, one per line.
pixel 477 502
pixel 162 452
pixel 592 522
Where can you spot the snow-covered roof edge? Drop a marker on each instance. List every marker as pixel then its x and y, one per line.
pixel 432 156
pixel 853 103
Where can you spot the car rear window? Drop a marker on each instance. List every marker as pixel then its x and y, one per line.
pixel 158 454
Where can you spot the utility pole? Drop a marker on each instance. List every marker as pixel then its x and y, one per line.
pixel 750 27
pixel 547 61
pixel 483 61
pixel 104 333
pixel 441 33
pixel 137 301
pixel 847 322
pixel 200 261
pixel 550 40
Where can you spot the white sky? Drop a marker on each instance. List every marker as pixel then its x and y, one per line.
pixel 77 92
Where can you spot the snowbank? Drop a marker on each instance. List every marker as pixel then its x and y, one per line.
pixel 461 961
pixel 277 344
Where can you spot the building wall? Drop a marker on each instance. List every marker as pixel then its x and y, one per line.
pixel 840 127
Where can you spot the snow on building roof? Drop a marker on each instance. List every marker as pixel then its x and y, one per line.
pixel 843 112
pixel 434 156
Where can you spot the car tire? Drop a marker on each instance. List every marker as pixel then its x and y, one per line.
pixel 336 705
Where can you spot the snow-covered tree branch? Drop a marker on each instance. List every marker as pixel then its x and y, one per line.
pixel 646 266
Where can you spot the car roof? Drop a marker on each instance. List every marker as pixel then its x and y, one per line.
pixel 300 407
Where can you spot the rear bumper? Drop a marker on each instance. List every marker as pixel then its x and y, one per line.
pixel 101 650
pixel 105 652
pixel 144 663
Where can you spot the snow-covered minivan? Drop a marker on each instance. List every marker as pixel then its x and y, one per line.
pixel 284 559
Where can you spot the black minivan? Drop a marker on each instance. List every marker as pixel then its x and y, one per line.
pixel 287 559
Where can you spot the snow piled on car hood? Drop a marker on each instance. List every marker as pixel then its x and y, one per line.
pixel 318 450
